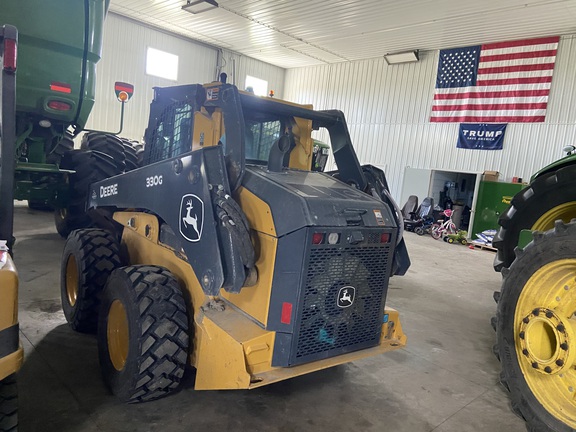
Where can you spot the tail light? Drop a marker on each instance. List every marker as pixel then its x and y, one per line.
pixel 10 54
pixel 384 237
pixel 59 105
pixel 60 87
pixel 317 238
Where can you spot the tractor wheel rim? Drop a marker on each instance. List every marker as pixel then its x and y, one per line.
pixel 545 338
pixel 71 280
pixel 118 335
pixel 566 212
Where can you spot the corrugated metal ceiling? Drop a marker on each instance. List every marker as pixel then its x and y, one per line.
pixel 296 33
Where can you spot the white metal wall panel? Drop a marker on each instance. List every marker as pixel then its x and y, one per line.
pixel 241 66
pixel 388 110
pixel 124 59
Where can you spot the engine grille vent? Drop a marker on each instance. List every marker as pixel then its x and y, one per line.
pixel 343 299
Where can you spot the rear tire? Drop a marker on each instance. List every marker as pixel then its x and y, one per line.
pixel 536 362
pixel 108 144
pixel 546 193
pixel 9 404
pixel 89 167
pixel 419 231
pixel 65 144
pixel 90 256
pixel 142 333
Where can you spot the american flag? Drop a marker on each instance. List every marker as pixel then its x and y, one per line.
pixel 505 82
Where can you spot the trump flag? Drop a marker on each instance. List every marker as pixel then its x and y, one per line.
pixel 506 82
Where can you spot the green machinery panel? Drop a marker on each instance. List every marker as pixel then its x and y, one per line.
pixel 493 199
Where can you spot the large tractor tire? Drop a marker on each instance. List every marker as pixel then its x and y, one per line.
pixel 536 331
pixel 89 257
pixel 107 144
pixel 548 198
pixel 63 145
pixel 89 167
pixel 9 404
pixel 142 333
pixel 131 152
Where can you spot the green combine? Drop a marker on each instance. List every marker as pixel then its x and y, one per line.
pixel 59 47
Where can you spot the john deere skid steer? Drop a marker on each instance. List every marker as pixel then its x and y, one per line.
pixel 227 252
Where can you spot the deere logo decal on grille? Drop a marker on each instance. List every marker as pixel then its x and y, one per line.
pixel 346 296
pixel 191 217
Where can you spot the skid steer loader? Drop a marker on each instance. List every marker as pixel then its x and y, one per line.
pixel 227 252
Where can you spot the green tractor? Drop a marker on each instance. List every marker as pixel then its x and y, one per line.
pixel 535 321
pixel 55 95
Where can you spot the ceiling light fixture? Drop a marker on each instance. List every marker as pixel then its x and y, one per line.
pixel 199 6
pixel 402 57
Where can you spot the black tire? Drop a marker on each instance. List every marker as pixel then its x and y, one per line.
pixel 419 230
pixel 89 257
pixel 554 245
pixel 9 404
pixel 39 205
pixel 544 193
pixel 89 167
pixel 157 324
pixel 63 145
pixel 131 152
pixel 107 144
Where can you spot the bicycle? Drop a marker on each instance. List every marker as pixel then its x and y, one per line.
pixel 439 230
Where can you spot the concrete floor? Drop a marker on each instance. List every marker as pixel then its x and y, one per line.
pixel 446 380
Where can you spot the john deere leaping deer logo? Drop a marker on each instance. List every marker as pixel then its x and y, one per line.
pixel 191 217
pixel 346 296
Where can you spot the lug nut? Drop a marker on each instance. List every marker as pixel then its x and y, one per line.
pixel 549 314
pixel 525 352
pixel 560 362
pixel 561 328
pixel 536 312
pixel 521 335
pixel 526 320
pixel 547 369
pixel 564 346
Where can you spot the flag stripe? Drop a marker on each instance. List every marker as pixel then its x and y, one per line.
pixel 525 42
pixel 493 94
pixel 499 113
pixel 518 55
pixel 526 74
pixel 531 80
pixel 488 119
pixel 484 101
pixel 520 62
pixel 519 68
pixel 491 107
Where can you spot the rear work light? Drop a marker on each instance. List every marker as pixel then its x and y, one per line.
pixel 59 106
pixel 10 54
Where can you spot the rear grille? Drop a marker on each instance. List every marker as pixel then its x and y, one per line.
pixel 327 328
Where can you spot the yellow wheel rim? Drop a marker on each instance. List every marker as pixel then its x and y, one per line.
pixel 566 212
pixel 118 336
pixel 71 280
pixel 545 337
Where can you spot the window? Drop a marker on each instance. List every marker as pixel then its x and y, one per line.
pixel 162 64
pixel 259 86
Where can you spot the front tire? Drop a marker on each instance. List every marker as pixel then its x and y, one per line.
pixel 436 231
pixel 548 198
pixel 89 257
pixel 9 404
pixel 142 333
pixel 536 331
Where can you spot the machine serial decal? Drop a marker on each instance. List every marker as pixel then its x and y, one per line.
pixel 153 181
pixel 346 296
pixel 191 217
